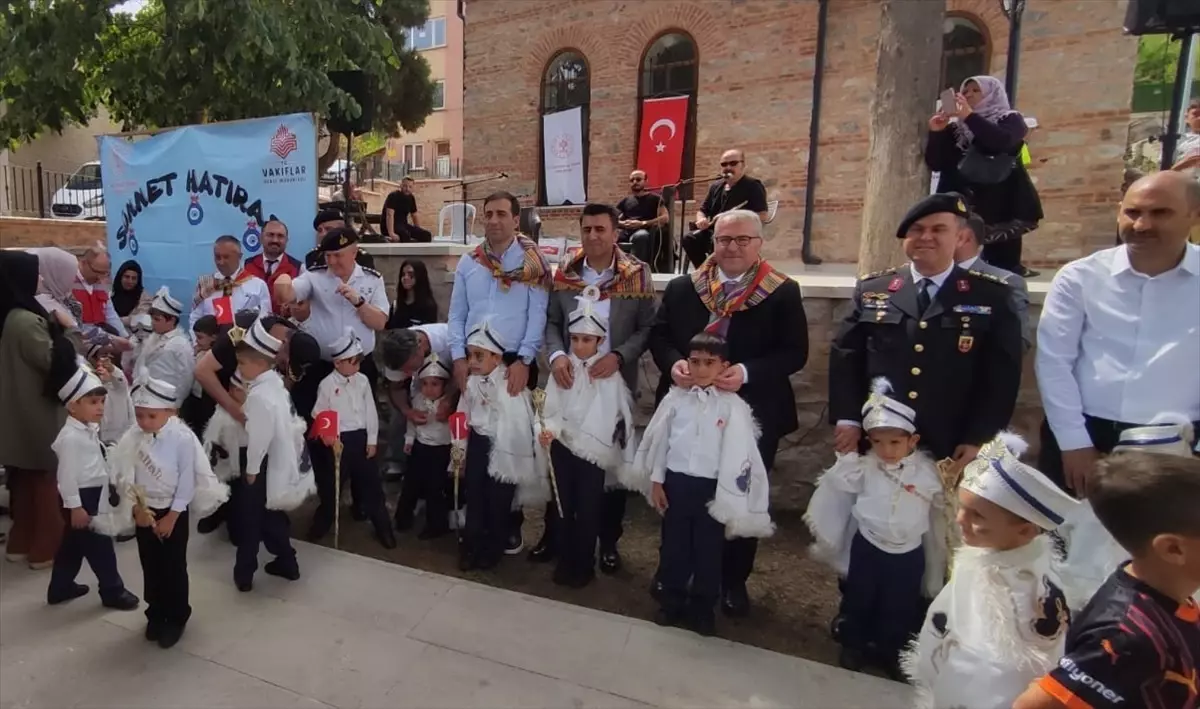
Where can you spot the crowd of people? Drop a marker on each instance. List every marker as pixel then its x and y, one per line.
pixel 1062 585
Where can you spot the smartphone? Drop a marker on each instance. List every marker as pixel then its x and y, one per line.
pixel 949 102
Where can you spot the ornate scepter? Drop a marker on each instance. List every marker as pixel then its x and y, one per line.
pixel 539 404
pixel 950 480
pixel 337 491
pixel 458 456
pixel 137 493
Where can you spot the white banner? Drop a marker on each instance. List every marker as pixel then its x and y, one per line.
pixel 562 147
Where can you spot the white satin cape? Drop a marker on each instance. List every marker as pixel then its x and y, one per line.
pixel 742 499
pixel 274 430
pixel 210 493
pixel 223 431
pixel 515 457
pixel 830 519
pixel 118 409
pixel 585 418
pixel 988 635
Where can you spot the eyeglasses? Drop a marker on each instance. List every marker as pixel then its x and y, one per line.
pixel 636 179
pixel 742 241
pixel 731 163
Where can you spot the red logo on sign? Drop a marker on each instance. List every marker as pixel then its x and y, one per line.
pixel 458 425
pixel 283 143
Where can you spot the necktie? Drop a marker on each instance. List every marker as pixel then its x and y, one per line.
pixel 271 267
pixel 923 298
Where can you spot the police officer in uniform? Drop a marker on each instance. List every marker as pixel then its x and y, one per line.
pixel 326 221
pixel 946 337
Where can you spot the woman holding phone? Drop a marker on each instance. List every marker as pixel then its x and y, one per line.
pixel 975 143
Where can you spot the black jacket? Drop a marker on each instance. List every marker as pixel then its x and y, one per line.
pixel 770 339
pixel 958 367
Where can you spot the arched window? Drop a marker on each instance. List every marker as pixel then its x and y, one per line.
pixel 671 67
pixel 965 51
pixel 566 84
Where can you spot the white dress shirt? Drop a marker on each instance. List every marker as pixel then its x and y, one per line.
pixel 1119 345
pixel 331 313
pixel 894 501
pixel 602 307
pixel 251 294
pixel 166 467
pixel 351 399
pixel 80 460
pixel 432 432
pixel 479 397
pixel 168 358
pixel 694 440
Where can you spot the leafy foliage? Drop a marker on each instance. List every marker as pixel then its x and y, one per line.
pixel 187 61
pixel 1158 58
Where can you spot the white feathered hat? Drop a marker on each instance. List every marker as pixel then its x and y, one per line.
pixel 998 475
pixel 153 394
pixel 346 346
pixel 484 337
pixel 584 320
pixel 882 411
pixel 433 367
pixel 1168 433
pixel 82 382
pixel 165 304
pixel 260 340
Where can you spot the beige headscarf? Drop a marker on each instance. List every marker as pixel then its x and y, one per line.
pixel 58 270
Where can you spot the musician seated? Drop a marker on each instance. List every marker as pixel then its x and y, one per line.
pixel 735 190
pixel 643 216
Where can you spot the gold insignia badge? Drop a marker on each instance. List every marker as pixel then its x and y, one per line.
pixel 236 334
pixel 961 207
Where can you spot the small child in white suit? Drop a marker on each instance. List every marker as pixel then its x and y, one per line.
pixel 589 432
pixel 879 520
pixel 707 480
pixel 427 446
pixel 502 461
pixel 83 485
pixel 347 391
pixel 1001 621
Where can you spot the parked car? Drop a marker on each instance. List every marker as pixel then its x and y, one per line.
pixel 81 196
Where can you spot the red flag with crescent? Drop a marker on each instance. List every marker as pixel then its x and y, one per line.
pixel 223 310
pixel 324 426
pixel 458 426
pixel 661 139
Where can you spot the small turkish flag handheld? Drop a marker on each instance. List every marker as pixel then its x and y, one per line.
pixel 458 425
pixel 661 139
pixel 223 309
pixel 324 426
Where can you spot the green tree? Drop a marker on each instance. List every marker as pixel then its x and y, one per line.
pixel 1158 58
pixel 178 62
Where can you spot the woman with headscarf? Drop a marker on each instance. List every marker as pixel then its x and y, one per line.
pixel 128 294
pixel 35 359
pixel 58 270
pixel 976 146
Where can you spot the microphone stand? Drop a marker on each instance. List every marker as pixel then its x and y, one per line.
pixel 681 255
pixel 462 185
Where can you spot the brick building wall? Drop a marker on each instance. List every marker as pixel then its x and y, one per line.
pixel 757 60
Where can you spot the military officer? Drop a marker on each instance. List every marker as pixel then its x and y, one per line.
pixel 326 221
pixel 946 337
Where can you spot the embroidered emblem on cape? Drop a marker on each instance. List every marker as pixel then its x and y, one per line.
pixel 939 621
pixel 743 479
pixel 1051 617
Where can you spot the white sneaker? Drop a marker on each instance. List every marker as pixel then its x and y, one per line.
pixel 16 558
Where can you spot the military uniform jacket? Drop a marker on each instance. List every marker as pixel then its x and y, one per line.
pixel 958 365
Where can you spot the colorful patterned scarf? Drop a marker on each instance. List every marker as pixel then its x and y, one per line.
pixel 207 285
pixel 533 271
pixel 631 278
pixel 752 288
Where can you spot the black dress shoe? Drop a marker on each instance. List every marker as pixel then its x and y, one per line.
pixel 610 561
pixel 245 585
pixel 656 590
pixel 169 635
pixel 542 553
pixel 120 538
pixel 850 659
pixel 209 524
pixel 387 539
pixel 154 630
pixel 703 622
pixel 124 601
pixel 68 594
pixel 562 576
pixel 835 627
pixel 276 567
pixel 582 579
pixel 735 603
pixel 668 618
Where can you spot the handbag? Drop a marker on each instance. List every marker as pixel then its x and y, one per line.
pixel 979 168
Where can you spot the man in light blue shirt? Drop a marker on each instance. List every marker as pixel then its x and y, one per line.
pixel 505 281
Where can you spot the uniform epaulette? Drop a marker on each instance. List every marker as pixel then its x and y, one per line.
pixel 876 274
pixel 371 271
pixel 319 267
pixel 989 276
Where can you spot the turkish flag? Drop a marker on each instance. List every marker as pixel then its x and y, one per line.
pixel 223 309
pixel 458 425
pixel 661 139
pixel 324 426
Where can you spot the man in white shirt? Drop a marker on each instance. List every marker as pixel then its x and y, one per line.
pixel 243 290
pixel 1119 336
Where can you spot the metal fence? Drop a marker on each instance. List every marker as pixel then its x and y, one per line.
pixel 34 192
pixel 380 168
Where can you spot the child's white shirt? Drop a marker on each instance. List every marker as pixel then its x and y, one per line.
pixel 695 434
pixel 432 432
pixel 166 466
pixel 585 418
pixel 351 398
pixel 275 433
pixel 81 461
pixel 999 624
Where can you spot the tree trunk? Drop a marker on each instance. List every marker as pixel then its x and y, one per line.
pixel 331 153
pixel 906 84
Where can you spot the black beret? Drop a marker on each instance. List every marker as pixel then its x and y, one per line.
pixel 338 239
pixel 327 215
pixel 949 203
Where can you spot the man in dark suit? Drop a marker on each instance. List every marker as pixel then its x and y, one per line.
pixel 946 337
pixel 627 300
pixel 760 313
pixel 969 257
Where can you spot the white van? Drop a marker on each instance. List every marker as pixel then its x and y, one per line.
pixel 81 196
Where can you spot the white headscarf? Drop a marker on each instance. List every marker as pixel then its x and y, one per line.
pixel 993 107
